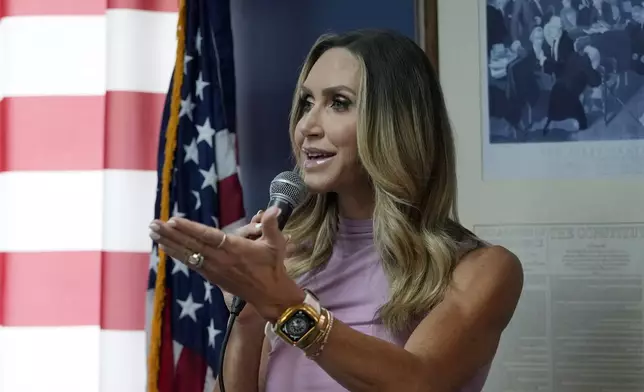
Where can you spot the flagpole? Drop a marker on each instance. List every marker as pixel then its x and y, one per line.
pixel 168 162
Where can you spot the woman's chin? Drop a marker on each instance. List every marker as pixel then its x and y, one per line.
pixel 317 183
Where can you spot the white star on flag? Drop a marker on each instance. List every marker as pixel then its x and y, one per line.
pixel 200 85
pixel 176 212
pixel 207 297
pixel 212 333
pixel 187 107
pixel 189 308
pixel 192 152
pixel 198 41
pixel 209 177
pixel 206 132
pixel 154 259
pixel 186 60
pixel 178 266
pixel 198 197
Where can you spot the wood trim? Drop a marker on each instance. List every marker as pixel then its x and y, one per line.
pixel 427 28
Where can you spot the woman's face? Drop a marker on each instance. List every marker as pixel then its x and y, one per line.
pixel 326 134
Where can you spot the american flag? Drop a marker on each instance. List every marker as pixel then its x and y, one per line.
pixel 203 186
pixel 82 91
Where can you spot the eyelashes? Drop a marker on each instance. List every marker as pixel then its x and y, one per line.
pixel 341 104
pixel 305 104
pixel 338 103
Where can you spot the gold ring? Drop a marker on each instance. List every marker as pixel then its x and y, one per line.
pixel 196 260
pixel 223 240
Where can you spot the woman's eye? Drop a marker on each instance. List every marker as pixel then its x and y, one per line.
pixel 340 104
pixel 306 104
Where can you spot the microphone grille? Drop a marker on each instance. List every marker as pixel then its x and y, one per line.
pixel 289 186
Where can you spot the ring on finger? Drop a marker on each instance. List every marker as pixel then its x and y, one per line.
pixel 196 260
pixel 223 240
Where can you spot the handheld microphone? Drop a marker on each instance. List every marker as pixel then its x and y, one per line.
pixel 286 192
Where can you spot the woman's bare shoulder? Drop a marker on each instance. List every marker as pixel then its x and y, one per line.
pixel 490 269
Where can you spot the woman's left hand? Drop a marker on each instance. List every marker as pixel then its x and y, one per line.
pixel 251 269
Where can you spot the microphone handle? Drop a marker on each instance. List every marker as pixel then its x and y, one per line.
pixel 287 209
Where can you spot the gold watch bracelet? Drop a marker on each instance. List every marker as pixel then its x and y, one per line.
pixel 325 325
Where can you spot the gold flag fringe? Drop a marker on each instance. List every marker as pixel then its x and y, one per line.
pixel 168 162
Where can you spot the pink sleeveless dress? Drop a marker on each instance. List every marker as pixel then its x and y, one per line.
pixel 353 286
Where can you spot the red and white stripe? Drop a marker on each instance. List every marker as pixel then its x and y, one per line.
pixel 82 86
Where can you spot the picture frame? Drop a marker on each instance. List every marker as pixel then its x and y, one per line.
pixel 427 28
pixel 563 83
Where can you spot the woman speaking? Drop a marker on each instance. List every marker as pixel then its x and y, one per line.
pixel 373 285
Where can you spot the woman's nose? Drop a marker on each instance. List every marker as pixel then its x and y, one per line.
pixel 310 124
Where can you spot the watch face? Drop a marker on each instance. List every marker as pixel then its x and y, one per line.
pixel 298 325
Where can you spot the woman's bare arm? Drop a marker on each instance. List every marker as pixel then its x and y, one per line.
pixel 263 366
pixel 243 357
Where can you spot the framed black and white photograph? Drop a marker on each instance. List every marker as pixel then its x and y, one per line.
pixel 563 88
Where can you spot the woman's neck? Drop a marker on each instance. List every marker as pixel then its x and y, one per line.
pixel 356 204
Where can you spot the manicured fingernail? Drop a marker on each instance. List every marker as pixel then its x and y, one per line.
pixel 276 210
pixel 259 212
pixel 154 235
pixel 258 226
pixel 172 223
pixel 154 226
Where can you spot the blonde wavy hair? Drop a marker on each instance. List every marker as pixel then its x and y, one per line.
pixel 406 147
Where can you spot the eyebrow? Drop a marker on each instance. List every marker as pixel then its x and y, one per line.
pixel 331 90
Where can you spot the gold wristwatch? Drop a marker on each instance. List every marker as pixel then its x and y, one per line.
pixel 299 325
